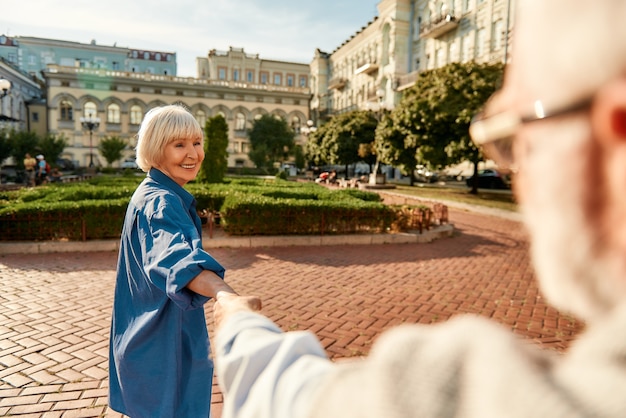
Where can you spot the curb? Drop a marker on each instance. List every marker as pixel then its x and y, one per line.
pixel 440 231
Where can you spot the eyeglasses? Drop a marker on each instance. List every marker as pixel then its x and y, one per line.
pixel 495 134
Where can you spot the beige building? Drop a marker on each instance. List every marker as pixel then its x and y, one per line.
pixel 239 86
pixel 372 68
pixel 21 105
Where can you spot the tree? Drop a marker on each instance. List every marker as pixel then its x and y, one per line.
pixel 395 148
pixel 22 142
pixel 216 150
pixel 271 141
pixel 52 147
pixel 434 116
pixel 342 137
pixel 111 149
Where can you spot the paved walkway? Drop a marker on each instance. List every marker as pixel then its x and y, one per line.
pixel 55 307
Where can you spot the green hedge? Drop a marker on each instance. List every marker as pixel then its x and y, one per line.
pixel 95 209
pixel 334 213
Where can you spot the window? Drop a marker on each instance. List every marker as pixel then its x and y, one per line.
pixel 240 122
pixel 303 81
pixel 295 124
pixel 454 52
pixel 466 49
pixel 290 80
pixel 498 35
pixel 480 43
pixel 67 112
pixel 115 65
pixel 221 73
pixel 90 110
pixel 35 116
pixel 235 75
pixel 440 57
pixel 278 79
pixel 250 76
pixel 113 113
pixel 146 55
pixel 135 115
pixel 201 117
pixel 264 77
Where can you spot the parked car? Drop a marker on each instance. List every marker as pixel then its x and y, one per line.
pixel 11 174
pixel 424 175
pixel 129 163
pixel 65 164
pixel 489 179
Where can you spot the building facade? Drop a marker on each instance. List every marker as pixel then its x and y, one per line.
pixel 121 99
pixel 33 55
pixel 22 107
pixel 372 68
pixel 368 71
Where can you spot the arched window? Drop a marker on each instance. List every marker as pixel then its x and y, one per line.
pixel 113 113
pixel 240 122
pixel 201 118
pixel 136 115
pixel 90 110
pixel 67 111
pixel 295 124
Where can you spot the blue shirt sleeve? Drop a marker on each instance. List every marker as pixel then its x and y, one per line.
pixel 174 254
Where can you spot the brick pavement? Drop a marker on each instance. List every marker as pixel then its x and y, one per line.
pixel 55 308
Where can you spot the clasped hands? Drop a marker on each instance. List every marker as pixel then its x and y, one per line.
pixel 227 304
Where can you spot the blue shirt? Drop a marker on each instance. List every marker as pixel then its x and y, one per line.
pixel 159 363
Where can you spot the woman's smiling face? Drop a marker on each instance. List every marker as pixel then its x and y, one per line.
pixel 182 158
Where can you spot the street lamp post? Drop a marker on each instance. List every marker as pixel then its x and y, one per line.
pixel 90 123
pixel 375 178
pixel 5 86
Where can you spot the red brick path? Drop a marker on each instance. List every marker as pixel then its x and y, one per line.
pixel 55 308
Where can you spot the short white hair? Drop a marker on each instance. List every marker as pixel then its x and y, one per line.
pixel 161 126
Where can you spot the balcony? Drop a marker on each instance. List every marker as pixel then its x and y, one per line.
pixel 407 81
pixel 337 83
pixel 367 68
pixel 441 25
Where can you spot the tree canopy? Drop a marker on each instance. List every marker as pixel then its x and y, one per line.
pixel 430 125
pixel 215 149
pixel 271 141
pixel 111 149
pixel 340 140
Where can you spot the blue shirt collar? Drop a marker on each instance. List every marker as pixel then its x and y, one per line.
pixel 165 180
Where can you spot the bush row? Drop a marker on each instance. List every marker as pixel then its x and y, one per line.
pixel 95 209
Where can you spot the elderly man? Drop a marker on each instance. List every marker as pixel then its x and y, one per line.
pixel 562 110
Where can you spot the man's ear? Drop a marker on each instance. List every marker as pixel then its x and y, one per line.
pixel 608 113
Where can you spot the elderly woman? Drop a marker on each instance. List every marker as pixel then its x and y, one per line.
pixel 159 350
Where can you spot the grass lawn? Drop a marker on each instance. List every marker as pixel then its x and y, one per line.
pixel 493 199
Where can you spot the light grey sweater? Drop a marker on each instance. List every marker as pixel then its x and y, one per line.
pixel 466 367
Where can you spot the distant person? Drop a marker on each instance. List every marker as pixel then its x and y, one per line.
pixel 30 166
pixel 560 122
pixel 55 175
pixel 159 363
pixel 42 170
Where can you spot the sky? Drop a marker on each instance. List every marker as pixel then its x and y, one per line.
pixel 281 30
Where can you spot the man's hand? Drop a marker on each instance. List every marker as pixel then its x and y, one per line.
pixel 227 303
